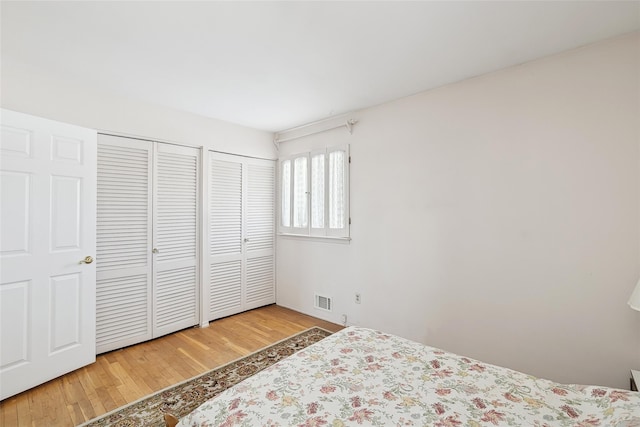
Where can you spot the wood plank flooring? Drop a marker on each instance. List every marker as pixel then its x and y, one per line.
pixel 123 376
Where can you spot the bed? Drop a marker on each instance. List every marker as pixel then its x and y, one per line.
pixel 359 376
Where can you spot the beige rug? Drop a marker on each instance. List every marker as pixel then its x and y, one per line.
pixel 184 397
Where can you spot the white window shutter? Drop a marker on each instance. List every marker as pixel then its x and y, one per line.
pixel 338 191
pixel 314 193
pixel 285 194
pixel 300 193
pixel 318 196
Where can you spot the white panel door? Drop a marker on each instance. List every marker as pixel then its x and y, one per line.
pixel 124 285
pixel 241 234
pixel 176 238
pixel 47 221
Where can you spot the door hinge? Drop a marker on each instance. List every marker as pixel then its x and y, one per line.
pixel 349 159
pixel 349 221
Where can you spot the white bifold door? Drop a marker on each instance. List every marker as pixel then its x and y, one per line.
pixel 148 240
pixel 47 246
pixel 241 225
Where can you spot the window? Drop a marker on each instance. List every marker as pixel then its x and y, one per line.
pixel 314 193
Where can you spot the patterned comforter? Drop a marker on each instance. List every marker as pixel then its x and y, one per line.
pixel 363 377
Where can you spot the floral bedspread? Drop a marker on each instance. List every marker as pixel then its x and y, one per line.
pixel 363 377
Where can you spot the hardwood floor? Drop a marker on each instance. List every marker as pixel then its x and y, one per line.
pixel 123 376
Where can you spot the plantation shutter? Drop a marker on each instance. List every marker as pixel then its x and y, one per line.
pixel 176 238
pixel 319 207
pixel 285 195
pixel 301 193
pixel 225 235
pixel 338 191
pixel 314 193
pixel 123 259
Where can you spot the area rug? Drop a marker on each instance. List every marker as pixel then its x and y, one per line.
pixel 184 397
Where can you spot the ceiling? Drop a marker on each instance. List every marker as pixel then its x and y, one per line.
pixel 276 65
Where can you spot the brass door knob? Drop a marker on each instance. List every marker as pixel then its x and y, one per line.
pixel 87 260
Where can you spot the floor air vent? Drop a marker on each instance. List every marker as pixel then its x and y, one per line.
pixel 323 302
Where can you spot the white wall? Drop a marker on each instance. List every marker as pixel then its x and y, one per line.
pixel 33 91
pixel 498 218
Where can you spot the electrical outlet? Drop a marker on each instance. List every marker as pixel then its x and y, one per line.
pixel 358 299
pixel 344 320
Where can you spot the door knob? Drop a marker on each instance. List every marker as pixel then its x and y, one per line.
pixel 246 240
pixel 155 251
pixel 87 260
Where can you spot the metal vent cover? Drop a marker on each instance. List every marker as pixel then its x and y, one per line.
pixel 322 302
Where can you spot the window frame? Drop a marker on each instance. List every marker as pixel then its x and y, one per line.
pixel 309 231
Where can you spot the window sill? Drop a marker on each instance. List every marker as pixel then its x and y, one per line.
pixel 325 239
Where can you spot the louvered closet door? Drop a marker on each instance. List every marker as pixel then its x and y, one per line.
pixel 176 239
pixel 123 258
pixel 225 235
pixel 260 233
pixel 241 234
